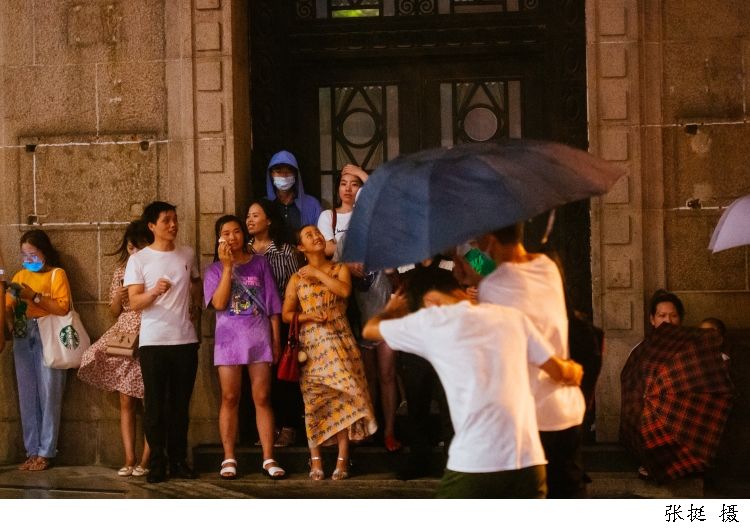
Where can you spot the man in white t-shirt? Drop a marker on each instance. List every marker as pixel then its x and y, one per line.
pixel 481 355
pixel 163 282
pixel 532 284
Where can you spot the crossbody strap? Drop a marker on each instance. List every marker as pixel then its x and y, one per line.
pixel 250 294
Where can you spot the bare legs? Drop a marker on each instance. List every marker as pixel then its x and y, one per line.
pixel 230 380
pixel 127 430
pixel 342 461
pixel 388 387
pixel 260 382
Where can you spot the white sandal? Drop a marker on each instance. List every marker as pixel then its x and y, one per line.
pixel 228 469
pixel 139 471
pixel 125 471
pixel 274 471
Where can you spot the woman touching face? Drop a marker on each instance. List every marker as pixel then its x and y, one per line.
pixel 232 235
pixel 349 185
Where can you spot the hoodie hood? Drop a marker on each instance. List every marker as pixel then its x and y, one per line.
pixel 287 158
pixel 307 204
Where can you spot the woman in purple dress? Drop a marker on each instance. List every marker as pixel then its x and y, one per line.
pixel 241 288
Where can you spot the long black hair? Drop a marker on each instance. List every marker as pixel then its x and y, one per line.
pixel 137 234
pixel 337 197
pixel 220 224
pixel 40 240
pixel 276 229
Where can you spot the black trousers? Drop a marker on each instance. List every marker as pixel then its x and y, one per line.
pixel 168 379
pixel 286 397
pixel 421 383
pixel 565 475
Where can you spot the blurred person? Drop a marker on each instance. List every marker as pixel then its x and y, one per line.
pixel 717 325
pixel 121 373
pixel 239 285
pixel 532 283
pixel 332 379
pixel 164 284
pixel 481 354
pixel 421 387
pixel 39 289
pixel 285 188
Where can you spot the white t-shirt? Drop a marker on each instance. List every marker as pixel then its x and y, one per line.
pixel 167 320
pixel 535 288
pixel 481 355
pixel 325 224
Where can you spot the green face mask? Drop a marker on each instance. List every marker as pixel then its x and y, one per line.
pixel 480 261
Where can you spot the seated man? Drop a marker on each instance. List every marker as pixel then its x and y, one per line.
pixel 481 355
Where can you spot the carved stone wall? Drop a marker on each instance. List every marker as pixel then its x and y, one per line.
pixel 106 105
pixel 656 69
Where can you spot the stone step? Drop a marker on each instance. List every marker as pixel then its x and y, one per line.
pixel 374 459
pixel 365 459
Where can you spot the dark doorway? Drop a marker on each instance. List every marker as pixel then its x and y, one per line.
pixel 362 81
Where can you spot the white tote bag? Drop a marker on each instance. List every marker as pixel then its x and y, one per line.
pixel 64 338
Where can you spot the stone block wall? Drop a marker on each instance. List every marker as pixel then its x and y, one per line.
pixel 106 105
pixel 668 102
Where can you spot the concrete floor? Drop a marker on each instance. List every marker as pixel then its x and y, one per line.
pixel 101 482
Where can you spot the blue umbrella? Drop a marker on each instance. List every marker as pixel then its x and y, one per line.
pixel 421 204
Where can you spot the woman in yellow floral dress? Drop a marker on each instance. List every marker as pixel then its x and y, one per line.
pixel 337 401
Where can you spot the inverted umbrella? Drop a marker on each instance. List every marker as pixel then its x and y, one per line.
pixel 733 228
pixel 418 205
pixel 676 398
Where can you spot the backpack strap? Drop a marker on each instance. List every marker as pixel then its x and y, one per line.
pixel 333 222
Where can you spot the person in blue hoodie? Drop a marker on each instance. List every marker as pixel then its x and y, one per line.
pixel 284 187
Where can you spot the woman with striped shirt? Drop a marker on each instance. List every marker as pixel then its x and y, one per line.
pixel 266 228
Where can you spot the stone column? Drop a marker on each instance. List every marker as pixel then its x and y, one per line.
pixel 615 77
pixel 668 97
pixel 106 105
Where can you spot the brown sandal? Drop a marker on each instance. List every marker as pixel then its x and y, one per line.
pixel 40 463
pixel 27 464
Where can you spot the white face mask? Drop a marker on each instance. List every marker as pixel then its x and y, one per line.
pixel 283 183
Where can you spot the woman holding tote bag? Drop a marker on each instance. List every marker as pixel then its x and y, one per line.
pixel 38 290
pixel 118 372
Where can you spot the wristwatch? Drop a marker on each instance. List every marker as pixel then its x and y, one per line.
pixel 37 298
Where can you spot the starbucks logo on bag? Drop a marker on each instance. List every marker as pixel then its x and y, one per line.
pixel 69 337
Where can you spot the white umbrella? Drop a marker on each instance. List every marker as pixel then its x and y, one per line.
pixel 733 228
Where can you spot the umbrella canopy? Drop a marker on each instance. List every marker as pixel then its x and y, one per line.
pixel 676 398
pixel 418 205
pixel 733 228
